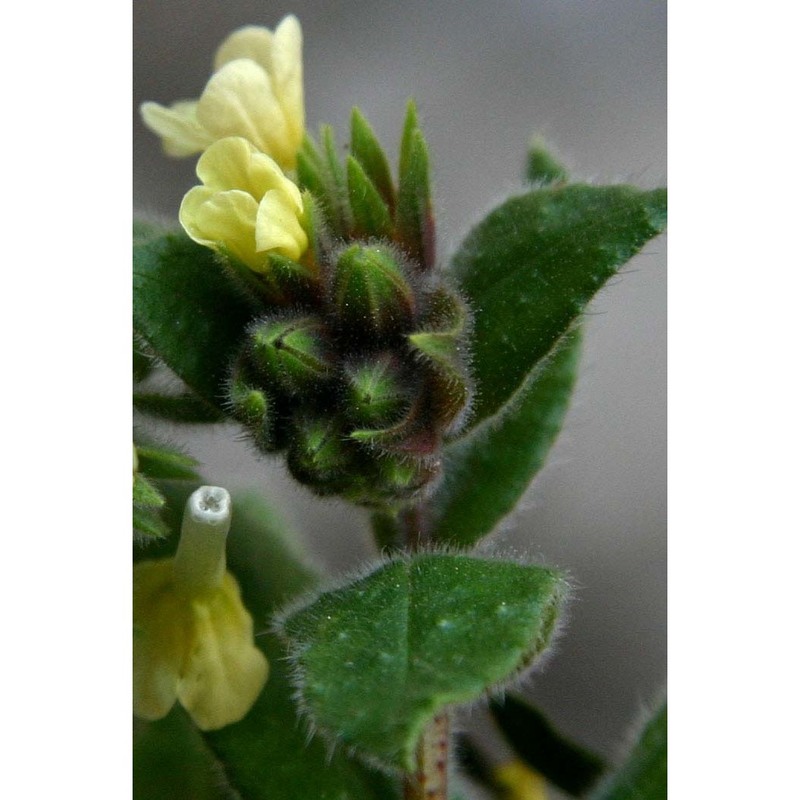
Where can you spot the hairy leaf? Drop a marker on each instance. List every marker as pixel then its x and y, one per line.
pixel 533 264
pixel 489 469
pixel 377 659
pixel 188 311
pixel 176 408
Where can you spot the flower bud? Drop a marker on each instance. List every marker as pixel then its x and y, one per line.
pixel 370 293
pixel 320 456
pixel 254 408
pixel 292 352
pixel 375 393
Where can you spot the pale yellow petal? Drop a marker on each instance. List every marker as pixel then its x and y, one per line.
pixel 287 74
pixel 251 41
pixel 225 671
pixel 239 101
pixel 161 627
pixel 178 126
pixel 233 163
pixel 223 220
pixel 277 226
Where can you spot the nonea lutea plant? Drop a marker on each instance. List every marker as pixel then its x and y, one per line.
pixel 301 297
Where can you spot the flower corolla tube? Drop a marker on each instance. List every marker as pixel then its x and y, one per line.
pixel 192 636
pixel 256 91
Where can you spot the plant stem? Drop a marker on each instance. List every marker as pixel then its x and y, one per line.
pixel 429 782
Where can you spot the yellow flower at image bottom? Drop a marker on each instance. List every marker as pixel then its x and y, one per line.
pixel 193 637
pixel 520 782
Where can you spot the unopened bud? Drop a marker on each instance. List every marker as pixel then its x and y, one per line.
pixel 370 292
pixel 292 352
pixel 319 456
pixel 375 392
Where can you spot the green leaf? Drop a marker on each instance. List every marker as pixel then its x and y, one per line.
pixel 371 215
pixel 143 230
pixel 376 659
pixel 563 763
pixel 541 167
pixel 156 776
pixel 644 774
pixel 533 264
pixel 367 150
pixel 176 408
pixel 268 754
pixel 143 361
pixel 188 311
pixel 488 470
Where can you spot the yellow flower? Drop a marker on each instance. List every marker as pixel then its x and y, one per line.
pixel 193 638
pixel 520 782
pixel 256 92
pixel 246 208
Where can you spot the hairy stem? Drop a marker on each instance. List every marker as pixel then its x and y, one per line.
pixel 429 782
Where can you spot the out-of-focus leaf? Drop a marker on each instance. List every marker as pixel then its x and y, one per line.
pixel 644 775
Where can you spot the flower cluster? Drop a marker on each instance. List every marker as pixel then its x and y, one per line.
pixel 356 364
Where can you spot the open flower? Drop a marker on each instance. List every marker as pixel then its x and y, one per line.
pixel 193 638
pixel 246 208
pixel 256 92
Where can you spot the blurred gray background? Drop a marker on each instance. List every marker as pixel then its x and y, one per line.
pixel 591 78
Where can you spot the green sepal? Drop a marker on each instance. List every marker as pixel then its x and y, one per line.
pixel 341 219
pixel 298 281
pixel 488 470
pixel 541 167
pixel 268 754
pixel 148 525
pixel 312 174
pixel 254 407
pixel 448 383
pixel 185 407
pixel 145 495
pixel 188 311
pixel 565 764
pixel 377 659
pixel 414 222
pixel 371 215
pixel 530 268
pixel 367 150
pixel 162 464
pixel 643 776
